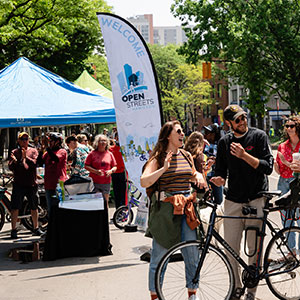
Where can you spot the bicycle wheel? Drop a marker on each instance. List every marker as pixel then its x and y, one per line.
pixel 122 217
pixel 42 217
pixel 2 217
pixel 172 279
pixel 279 257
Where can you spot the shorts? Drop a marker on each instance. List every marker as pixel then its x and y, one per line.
pixel 103 187
pixel 18 194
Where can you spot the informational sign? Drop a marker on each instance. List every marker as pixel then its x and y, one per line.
pixel 135 91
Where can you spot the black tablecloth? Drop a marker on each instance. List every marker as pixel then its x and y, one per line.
pixel 75 233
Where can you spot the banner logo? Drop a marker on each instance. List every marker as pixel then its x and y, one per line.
pixel 132 86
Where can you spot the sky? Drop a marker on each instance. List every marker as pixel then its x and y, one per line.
pixel 159 8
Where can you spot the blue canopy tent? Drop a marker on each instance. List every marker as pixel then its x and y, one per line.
pixel 32 96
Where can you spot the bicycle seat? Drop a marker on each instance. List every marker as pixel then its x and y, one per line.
pixel 269 193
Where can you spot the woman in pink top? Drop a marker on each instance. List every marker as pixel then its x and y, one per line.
pixel 101 164
pixel 283 166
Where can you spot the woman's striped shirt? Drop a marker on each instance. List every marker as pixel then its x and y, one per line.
pixel 178 176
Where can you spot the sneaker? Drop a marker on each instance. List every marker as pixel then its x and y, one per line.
pixel 250 296
pixel 38 232
pixel 14 234
pixel 193 297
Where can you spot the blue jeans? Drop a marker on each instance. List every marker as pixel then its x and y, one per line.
pixel 190 257
pixel 284 186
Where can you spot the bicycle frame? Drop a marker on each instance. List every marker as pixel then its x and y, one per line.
pixel 211 232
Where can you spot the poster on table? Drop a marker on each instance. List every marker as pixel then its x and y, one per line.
pixel 135 93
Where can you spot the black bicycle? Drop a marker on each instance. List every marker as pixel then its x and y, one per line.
pixel 212 273
pixel 25 212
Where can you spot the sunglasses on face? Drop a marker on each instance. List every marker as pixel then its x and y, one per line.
pixel 179 131
pixel 242 118
pixel 290 126
pixel 24 139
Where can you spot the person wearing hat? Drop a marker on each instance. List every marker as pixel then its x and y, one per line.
pixel 23 163
pixel 244 158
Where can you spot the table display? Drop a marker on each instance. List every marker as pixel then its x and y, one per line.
pixel 77 233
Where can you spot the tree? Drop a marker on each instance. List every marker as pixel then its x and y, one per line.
pixel 258 40
pixel 101 69
pixel 181 85
pixel 56 34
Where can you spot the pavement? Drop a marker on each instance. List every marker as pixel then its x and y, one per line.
pixel 121 276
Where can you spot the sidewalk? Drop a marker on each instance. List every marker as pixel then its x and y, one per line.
pixel 121 276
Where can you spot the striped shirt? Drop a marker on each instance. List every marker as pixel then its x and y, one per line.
pixel 178 176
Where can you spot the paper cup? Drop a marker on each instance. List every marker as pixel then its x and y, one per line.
pixel 296 156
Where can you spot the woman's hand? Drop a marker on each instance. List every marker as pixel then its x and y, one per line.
pixel 295 166
pixel 168 160
pixel 283 160
pixel 199 180
pixel 99 172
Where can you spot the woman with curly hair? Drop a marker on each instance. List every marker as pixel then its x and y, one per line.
pixel 283 166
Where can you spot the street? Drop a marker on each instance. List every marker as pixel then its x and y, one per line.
pixel 120 276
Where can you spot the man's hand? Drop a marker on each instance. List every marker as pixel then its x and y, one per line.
pixel 23 153
pixel 13 157
pixel 218 181
pixel 237 150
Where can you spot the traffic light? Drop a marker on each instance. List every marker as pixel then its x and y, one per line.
pixel 206 70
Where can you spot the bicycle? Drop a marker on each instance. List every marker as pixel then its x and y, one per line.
pixel 212 273
pixel 25 212
pixel 124 214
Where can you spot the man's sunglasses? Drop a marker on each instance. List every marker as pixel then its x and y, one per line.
pixel 242 118
pixel 290 126
pixel 24 139
pixel 179 131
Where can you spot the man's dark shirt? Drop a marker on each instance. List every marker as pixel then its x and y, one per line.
pixel 244 182
pixel 24 170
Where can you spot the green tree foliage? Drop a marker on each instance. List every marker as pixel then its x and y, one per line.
pixel 181 85
pixel 102 73
pixel 257 39
pixel 56 34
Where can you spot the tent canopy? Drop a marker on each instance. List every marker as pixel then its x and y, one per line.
pixel 87 82
pixel 33 96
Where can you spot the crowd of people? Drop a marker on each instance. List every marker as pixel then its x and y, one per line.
pixel 61 159
pixel 241 159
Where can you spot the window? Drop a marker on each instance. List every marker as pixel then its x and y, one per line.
pixel 219 90
pixel 213 92
pixel 234 96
